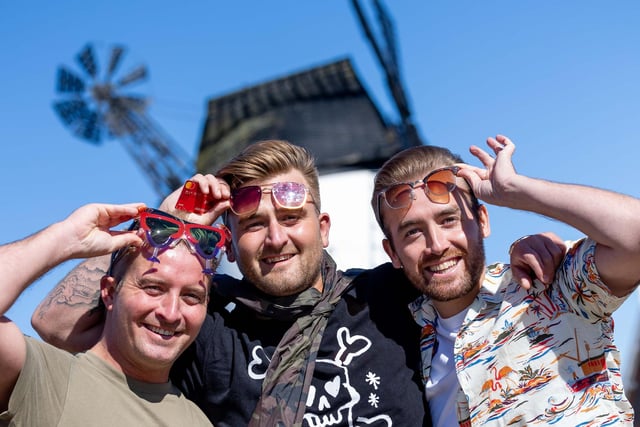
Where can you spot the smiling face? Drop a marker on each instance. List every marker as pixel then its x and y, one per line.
pixel 154 313
pixel 440 248
pixel 280 250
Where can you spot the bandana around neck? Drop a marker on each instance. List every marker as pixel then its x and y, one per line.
pixel 288 377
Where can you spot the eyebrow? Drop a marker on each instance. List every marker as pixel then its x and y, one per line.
pixel 446 211
pixel 146 280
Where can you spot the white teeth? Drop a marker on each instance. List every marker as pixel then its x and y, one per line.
pixel 277 259
pixel 163 332
pixel 442 267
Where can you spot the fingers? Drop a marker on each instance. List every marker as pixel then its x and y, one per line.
pixel 87 231
pixel 209 184
pixel 537 257
pixel 529 265
pixel 482 155
pixel 117 214
pixel 501 146
pixel 521 277
pixel 555 251
pixel 499 143
pixel 548 257
pixel 103 215
pixel 121 239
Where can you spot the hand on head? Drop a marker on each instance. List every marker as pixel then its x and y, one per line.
pixel 209 185
pixel 91 226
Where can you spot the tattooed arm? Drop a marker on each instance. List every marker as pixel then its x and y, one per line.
pixel 69 316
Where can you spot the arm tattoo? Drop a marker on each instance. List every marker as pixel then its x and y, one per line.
pixel 80 288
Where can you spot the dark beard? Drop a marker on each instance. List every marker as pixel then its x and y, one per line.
pixel 445 290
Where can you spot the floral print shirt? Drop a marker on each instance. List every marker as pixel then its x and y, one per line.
pixel 540 356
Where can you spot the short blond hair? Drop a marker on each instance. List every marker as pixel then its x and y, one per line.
pixel 271 157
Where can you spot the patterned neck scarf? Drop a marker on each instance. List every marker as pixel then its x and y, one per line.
pixel 288 377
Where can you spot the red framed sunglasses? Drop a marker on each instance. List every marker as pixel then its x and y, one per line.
pixel 163 231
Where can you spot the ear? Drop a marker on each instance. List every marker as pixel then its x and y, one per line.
pixel 231 255
pixel 388 248
pixel 483 221
pixel 325 226
pixel 108 291
pixel 230 243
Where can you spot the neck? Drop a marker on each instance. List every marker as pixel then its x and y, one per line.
pixel 111 353
pixel 448 309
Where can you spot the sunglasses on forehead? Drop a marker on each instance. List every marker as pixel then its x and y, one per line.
pixel 287 195
pixel 437 186
pixel 163 231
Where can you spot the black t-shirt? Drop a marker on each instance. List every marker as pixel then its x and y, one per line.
pixel 366 372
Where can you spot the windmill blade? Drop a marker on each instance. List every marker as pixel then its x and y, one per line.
pixel 132 103
pixel 70 111
pixel 68 82
pixel 387 57
pixel 87 60
pixel 114 60
pixel 89 128
pixel 76 115
pixel 139 73
pixel 388 33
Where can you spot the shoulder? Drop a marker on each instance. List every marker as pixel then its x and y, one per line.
pixel 384 293
pixel 384 283
pixel 220 293
pixel 41 350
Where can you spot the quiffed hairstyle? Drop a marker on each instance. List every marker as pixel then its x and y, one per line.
pixel 271 157
pixel 409 165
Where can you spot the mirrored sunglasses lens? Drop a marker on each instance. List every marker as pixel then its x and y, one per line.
pixel 206 241
pixel 160 231
pixel 289 194
pixel 246 199
pixel 398 196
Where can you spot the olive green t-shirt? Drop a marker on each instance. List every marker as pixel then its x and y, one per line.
pixel 56 388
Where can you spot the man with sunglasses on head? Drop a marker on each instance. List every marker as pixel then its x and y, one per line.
pixel 295 342
pixel 155 302
pixel 495 353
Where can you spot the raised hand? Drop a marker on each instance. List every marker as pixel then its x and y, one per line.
pixel 493 184
pixel 90 229
pixel 210 185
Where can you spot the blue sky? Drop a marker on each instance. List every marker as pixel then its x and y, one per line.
pixel 562 79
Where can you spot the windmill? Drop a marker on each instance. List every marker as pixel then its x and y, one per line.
pixel 100 105
pixel 385 47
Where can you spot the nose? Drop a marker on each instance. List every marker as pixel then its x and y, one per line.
pixel 276 234
pixel 436 241
pixel 169 308
pixel 436 238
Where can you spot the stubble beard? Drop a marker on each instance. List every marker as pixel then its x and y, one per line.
pixel 443 290
pixel 279 283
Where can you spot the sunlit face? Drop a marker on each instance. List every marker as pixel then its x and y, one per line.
pixel 155 313
pixel 280 250
pixel 440 247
